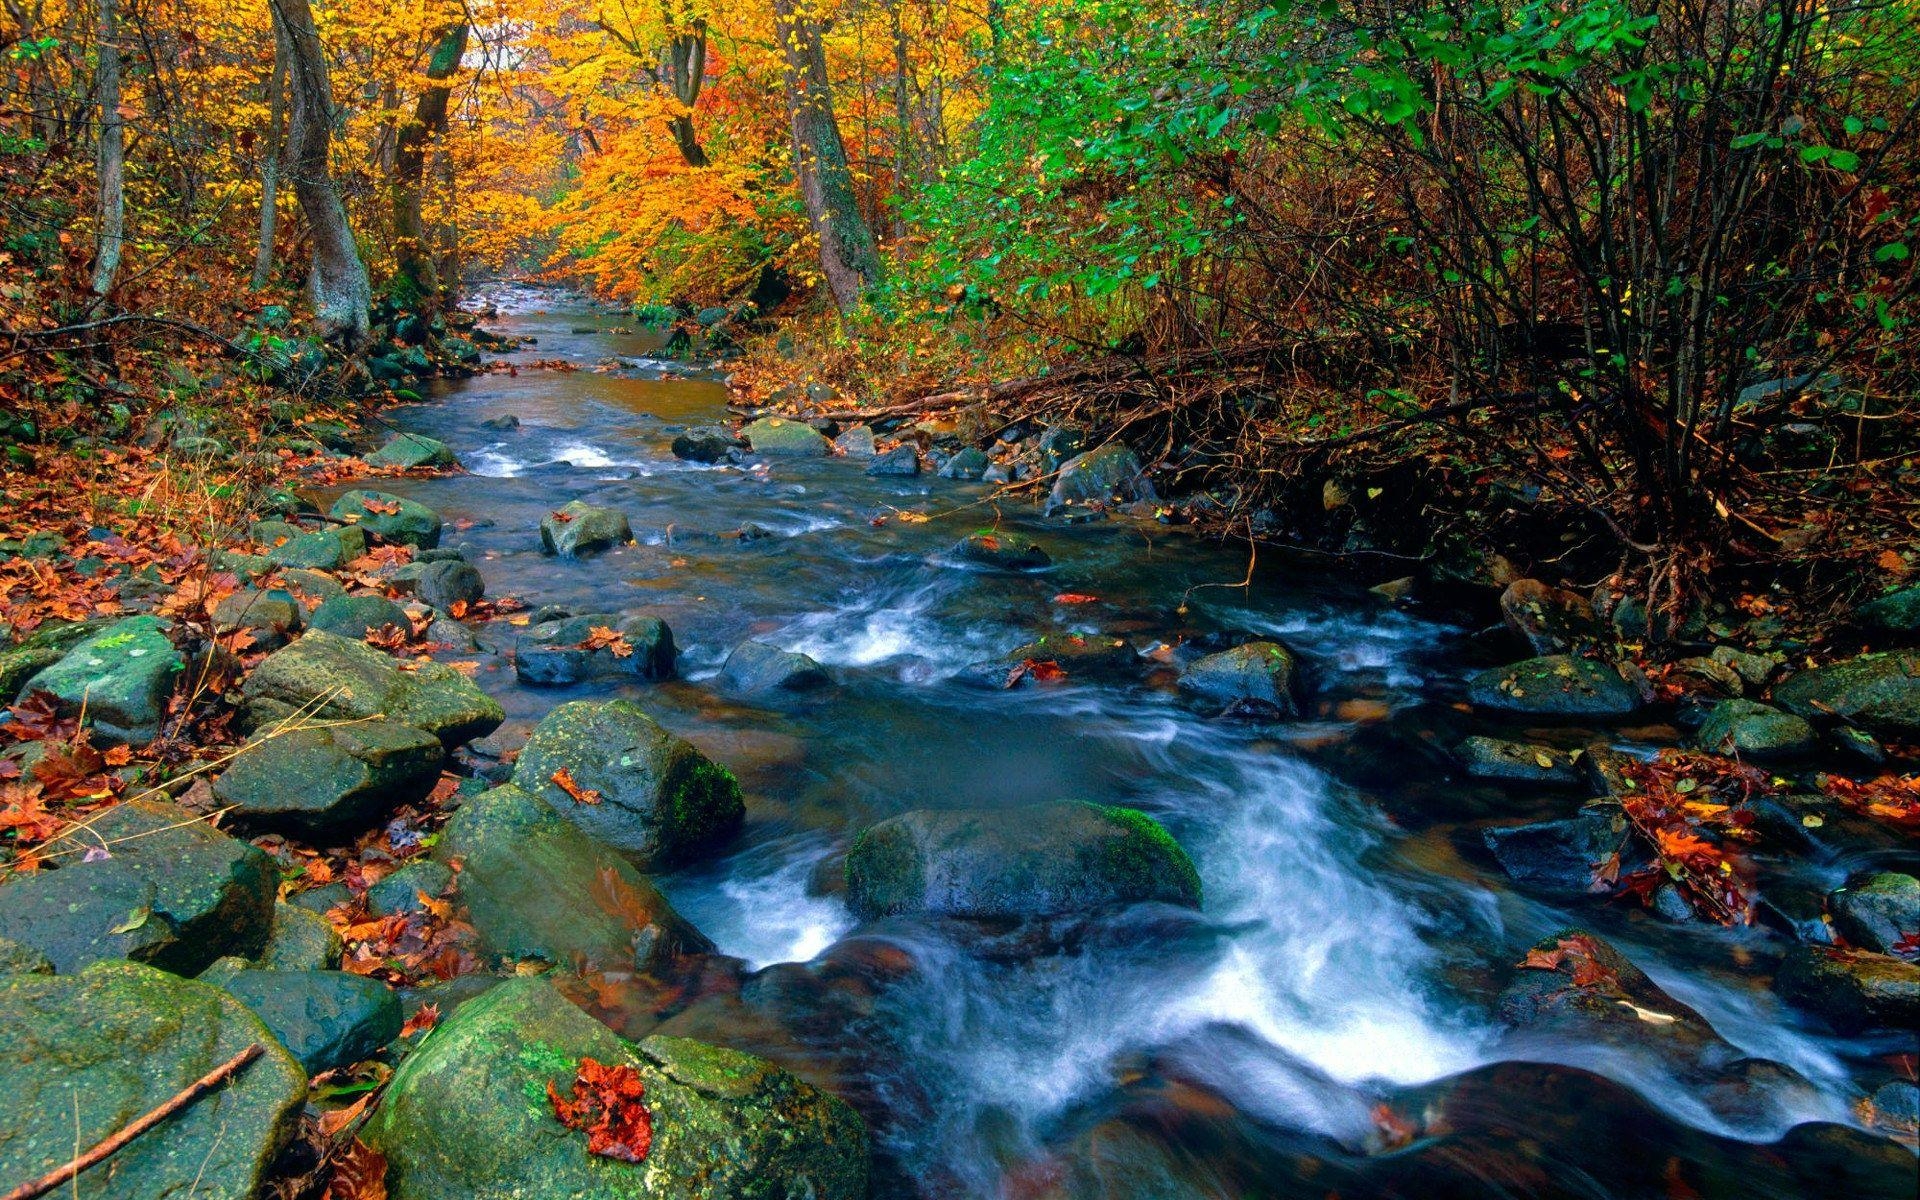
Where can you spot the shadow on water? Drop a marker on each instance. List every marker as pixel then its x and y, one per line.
pixel 1325 1027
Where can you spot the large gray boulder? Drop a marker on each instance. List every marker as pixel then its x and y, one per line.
pixel 327 1019
pixel 756 668
pixel 535 886
pixel 777 436
pixel 172 892
pixel 1254 678
pixel 388 517
pixel 1557 685
pixel 467 1116
pixel 1112 472
pixel 1878 912
pixel 577 529
pixel 83 1056
pixel 120 677
pixel 1880 691
pixel 555 653
pixel 1034 861
pixel 330 780
pixel 324 677
pixel 656 799
pixel 442 583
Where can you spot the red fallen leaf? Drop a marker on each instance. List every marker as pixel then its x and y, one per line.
pixel 457 610
pixel 562 517
pixel 1075 598
pixel 424 1018
pixel 388 637
pixel 37 718
pixel 607 1103
pixel 601 637
pixel 385 508
pixel 1395 1130
pixel 359 1173
pixel 1578 952
pixel 563 779
pixel 1044 670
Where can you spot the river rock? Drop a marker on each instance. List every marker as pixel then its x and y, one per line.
pixel 330 781
pixel 903 459
pixel 1853 990
pixel 705 444
pixel 535 886
pixel 1551 620
pixel 1003 549
pixel 659 800
pixel 1099 477
pixel 18 958
pixel 1878 912
pixel 856 442
pixel 1896 614
pixel 1557 685
pixel 1880 691
pixel 778 436
pixel 1253 678
pixel 504 423
pixel 41 649
pixel 174 893
pixel 390 518
pixel 327 1019
pixel 1754 731
pixel 441 584
pixel 300 941
pixel 1516 762
pixel 329 678
pixel 412 450
pixel 310 588
pixel 756 667
pixel 400 891
pixel 554 653
pixel 326 549
pixel 467 1118
pixel 120 1039
pixel 579 529
pixel 355 617
pixel 1082 656
pixel 1035 861
pixel 969 464
pixel 1564 855
pixel 270 617
pixel 121 677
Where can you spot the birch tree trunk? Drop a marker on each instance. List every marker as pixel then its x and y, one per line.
pixel 270 170
pixel 848 257
pixel 417 281
pixel 111 154
pixel 338 279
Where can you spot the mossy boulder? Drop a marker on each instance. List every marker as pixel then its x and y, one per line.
pixel 555 653
pixel 578 529
pixel 325 677
pixel 1032 861
pixel 1516 762
pixel 113 1043
pixel 658 800
pixel 1853 990
pixel 1880 691
pixel 271 617
pixel 328 781
pixel 442 583
pixel 40 650
pixel 357 616
pixel 969 464
pixel 300 941
pixel 1895 615
pixel 326 549
pixel 1004 550
pixel 413 450
pixel 1255 678
pixel 390 518
pixel 1557 685
pixel 327 1019
pixel 704 444
pixel 777 436
pixel 1755 731
pixel 1877 912
pixel 467 1115
pixel 1100 476
pixel 120 677
pixel 401 890
pixel 535 886
pixel 172 891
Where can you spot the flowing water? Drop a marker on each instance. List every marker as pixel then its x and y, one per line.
pixel 1354 935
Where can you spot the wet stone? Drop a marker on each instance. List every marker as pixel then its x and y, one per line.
pixel 327 1019
pixel 1005 550
pixel 577 529
pixel 389 518
pixel 1556 685
pixel 1517 762
pixel 1879 912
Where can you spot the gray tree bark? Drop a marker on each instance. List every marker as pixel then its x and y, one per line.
pixel 418 283
pixel 848 257
pixel 111 152
pixel 338 278
pixel 270 170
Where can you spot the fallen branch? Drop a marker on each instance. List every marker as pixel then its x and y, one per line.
pixel 100 1153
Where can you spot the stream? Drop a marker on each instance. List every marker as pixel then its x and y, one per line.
pixel 1355 933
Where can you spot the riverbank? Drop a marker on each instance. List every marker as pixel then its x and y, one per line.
pixel 1390 864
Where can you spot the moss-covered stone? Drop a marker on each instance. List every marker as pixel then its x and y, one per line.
pixel 1257 678
pixel 120 676
pixel 320 550
pixel 1100 476
pixel 330 780
pixel 660 799
pixel 467 1117
pixel 579 529
pixel 1003 549
pixel 390 518
pixel 1755 731
pixel 554 653
pixel 326 677
pixel 355 617
pixel 1036 860
pixel 412 450
pixel 535 886
pixel 173 892
pixel 114 1042
pixel 300 940
pixel 271 617
pixel 1561 685
pixel 1880 691
pixel 1854 990
pixel 777 436
pixel 327 1019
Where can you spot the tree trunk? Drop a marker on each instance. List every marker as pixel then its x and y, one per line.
pixel 338 280
pixel 270 170
pixel 417 280
pixel 903 127
pixel 848 258
pixel 685 67
pixel 112 152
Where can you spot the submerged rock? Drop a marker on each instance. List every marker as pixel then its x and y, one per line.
pixel 82 1056
pixel 555 653
pixel 1880 691
pixel 1565 855
pixel 1561 685
pixel 535 886
pixel 327 1019
pixel 413 450
pixel 333 780
pixel 173 893
pixel 656 799
pixel 1100 477
pixel 1033 861
pixel 1005 550
pixel 756 667
pixel 324 677
pixel 777 436
pixel 1753 730
pixel 467 1118
pixel 120 677
pixel 578 529
pixel 1253 679
pixel 390 518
